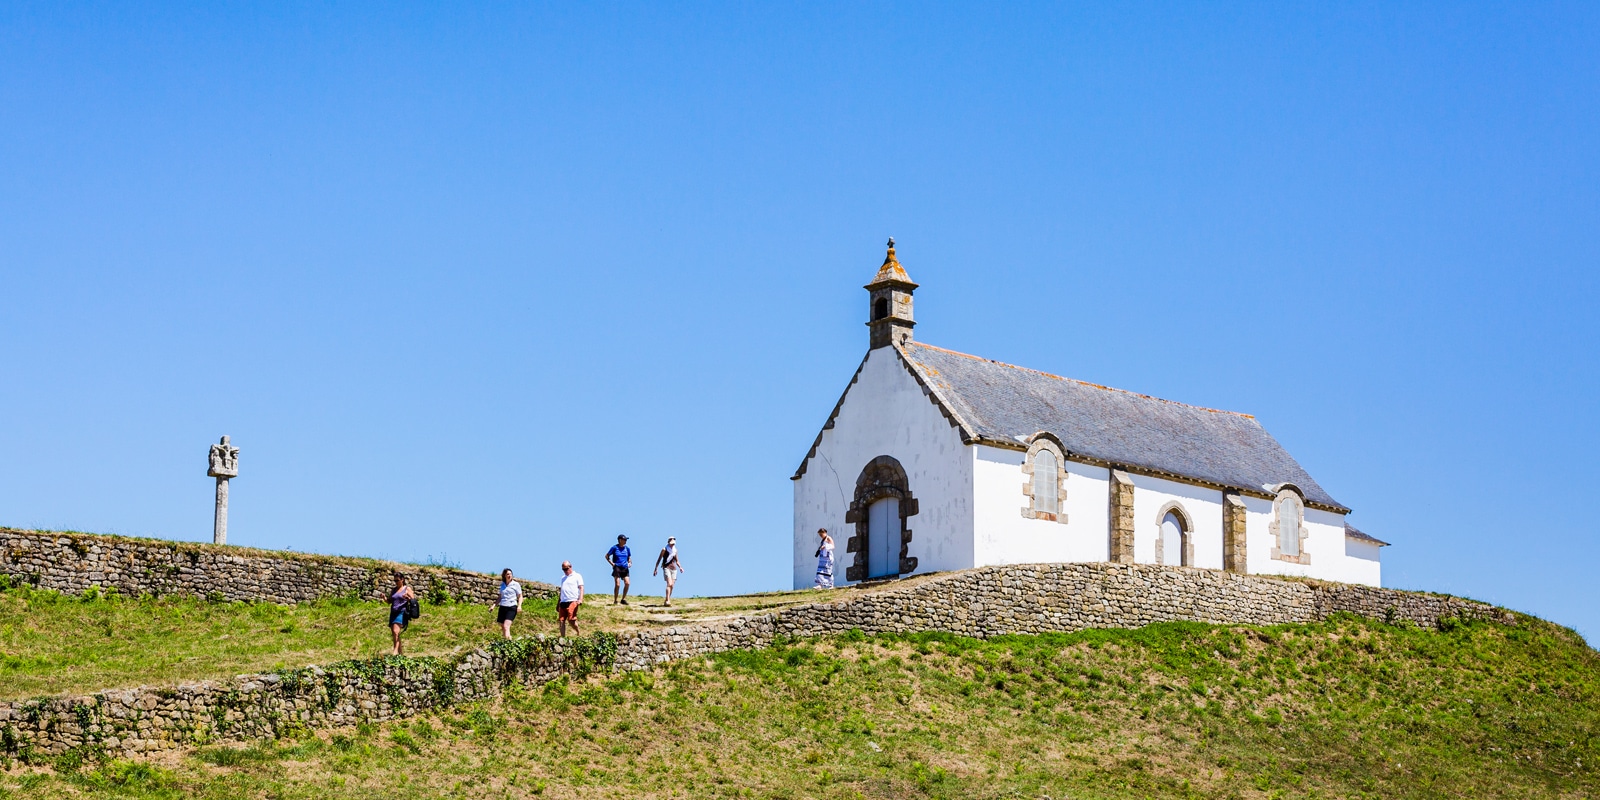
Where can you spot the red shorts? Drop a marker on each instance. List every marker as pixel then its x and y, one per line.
pixel 567 610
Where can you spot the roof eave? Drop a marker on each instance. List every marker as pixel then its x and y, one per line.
pixel 969 434
pixel 831 416
pixel 1139 469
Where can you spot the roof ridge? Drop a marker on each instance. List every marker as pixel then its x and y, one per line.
pixel 1082 382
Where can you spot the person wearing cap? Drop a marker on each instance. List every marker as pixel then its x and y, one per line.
pixel 667 560
pixel 619 557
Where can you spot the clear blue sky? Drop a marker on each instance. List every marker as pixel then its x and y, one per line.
pixel 494 283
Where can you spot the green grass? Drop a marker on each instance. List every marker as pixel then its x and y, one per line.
pixel 55 644
pixel 1346 708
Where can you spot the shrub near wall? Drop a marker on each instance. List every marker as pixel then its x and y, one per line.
pixel 73 562
pixel 981 603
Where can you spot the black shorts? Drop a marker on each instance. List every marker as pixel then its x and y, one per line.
pixel 507 613
pixel 619 572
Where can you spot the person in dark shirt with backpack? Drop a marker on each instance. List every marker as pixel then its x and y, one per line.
pixel 402 609
pixel 619 557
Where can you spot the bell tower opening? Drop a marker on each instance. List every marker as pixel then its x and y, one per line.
pixel 891 321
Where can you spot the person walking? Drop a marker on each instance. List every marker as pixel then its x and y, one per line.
pixel 569 596
pixel 400 598
pixel 824 560
pixel 667 560
pixel 509 602
pixel 619 557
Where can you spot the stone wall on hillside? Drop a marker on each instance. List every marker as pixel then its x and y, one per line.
pixel 128 722
pixel 1050 598
pixel 992 601
pixel 74 562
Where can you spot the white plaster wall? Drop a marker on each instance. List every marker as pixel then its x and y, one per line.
pixel 886 413
pixel 1363 562
pixel 1202 506
pixel 1003 536
pixel 1325 543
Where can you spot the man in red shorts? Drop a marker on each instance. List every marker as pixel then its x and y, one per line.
pixel 569 598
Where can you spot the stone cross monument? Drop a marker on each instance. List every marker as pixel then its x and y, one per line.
pixel 224 465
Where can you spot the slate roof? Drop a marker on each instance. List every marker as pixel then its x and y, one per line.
pixel 1000 403
pixel 1365 537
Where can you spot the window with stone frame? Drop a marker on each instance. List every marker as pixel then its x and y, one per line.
pixel 1174 539
pixel 1289 534
pixel 1045 484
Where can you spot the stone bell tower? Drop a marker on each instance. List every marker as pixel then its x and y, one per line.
pixel 890 320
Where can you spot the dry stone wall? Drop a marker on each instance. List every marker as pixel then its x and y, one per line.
pixel 993 601
pixel 73 563
pixel 146 720
pixel 1049 598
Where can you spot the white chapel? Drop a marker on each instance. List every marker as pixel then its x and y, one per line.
pixel 935 460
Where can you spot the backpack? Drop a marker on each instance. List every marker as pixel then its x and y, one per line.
pixel 413 608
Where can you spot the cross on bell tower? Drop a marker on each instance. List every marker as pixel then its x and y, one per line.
pixel 890 313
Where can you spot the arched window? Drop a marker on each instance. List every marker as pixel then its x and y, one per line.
pixel 880 309
pixel 1172 539
pixel 1046 484
pixel 1046 476
pixel 1289 527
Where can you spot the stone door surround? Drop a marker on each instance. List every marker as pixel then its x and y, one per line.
pixel 882 477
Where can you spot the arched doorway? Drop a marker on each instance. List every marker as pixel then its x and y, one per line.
pixel 879 511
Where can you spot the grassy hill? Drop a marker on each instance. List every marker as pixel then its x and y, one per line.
pixel 57 644
pixel 1345 708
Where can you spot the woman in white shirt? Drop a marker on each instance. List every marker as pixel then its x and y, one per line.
pixel 509 602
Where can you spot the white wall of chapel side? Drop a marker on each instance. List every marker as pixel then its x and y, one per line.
pixel 1331 558
pixel 1004 536
pixel 885 412
pixel 1362 562
pixel 1202 507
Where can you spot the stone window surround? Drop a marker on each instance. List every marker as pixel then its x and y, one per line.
pixel 1282 492
pixel 1185 533
pixel 881 477
pixel 1037 442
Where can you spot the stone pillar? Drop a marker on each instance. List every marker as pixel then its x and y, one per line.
pixel 1121 517
pixel 1234 554
pixel 224 464
pixel 219 520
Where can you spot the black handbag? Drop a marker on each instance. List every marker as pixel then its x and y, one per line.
pixel 413 608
